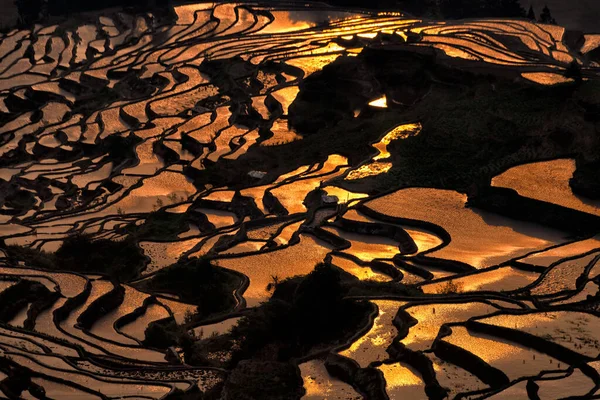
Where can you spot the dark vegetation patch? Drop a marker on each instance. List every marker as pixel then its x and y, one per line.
pixel 329 98
pixel 254 379
pixel 477 135
pixel 20 200
pixel 159 225
pixel 474 125
pixel 197 281
pixel 349 138
pixel 585 179
pixel 305 315
pixel 121 260
pixel 164 333
pixel 16 297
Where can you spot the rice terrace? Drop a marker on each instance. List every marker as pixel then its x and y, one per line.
pixel 280 200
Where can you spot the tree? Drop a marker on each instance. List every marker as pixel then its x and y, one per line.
pixel 546 16
pixel 29 10
pixel 274 282
pixel 511 8
pixel 573 71
pixel 531 14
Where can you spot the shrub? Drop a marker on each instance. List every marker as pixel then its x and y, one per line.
pixel 302 313
pixel 122 260
pixel 161 334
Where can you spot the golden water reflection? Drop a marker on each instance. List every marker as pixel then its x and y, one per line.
pixel 577 331
pixel 379 103
pixel 372 169
pixel 319 385
pixel 399 132
pixel 376 167
pixel 403 382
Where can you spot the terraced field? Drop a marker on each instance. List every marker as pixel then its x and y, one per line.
pixel 142 130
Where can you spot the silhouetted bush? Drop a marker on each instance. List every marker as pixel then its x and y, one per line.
pixel 265 380
pixel 303 312
pixel 160 225
pixel 122 260
pixel 162 333
pixel 585 179
pixel 200 282
pixel 546 16
pixel 33 257
pixel 573 71
pixel 16 297
pixel 29 11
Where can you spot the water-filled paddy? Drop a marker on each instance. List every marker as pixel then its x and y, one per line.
pixel 186 137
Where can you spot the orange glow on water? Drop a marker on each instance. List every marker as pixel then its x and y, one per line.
pixel 379 103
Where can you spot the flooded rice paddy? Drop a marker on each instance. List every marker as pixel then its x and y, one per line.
pixel 79 164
